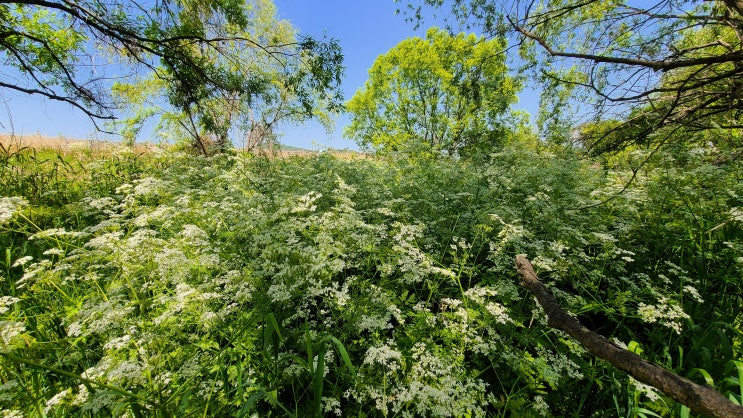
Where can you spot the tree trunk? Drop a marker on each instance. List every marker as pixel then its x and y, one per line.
pixel 700 399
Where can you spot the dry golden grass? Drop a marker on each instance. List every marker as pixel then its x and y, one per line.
pixel 65 145
pixel 282 153
pixel 39 141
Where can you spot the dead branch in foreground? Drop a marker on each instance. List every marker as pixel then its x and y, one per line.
pixel 699 398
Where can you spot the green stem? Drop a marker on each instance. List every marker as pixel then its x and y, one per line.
pixel 60 372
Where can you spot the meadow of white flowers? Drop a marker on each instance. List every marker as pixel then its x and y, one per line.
pixel 237 285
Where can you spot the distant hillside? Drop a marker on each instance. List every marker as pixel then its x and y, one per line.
pixel 38 141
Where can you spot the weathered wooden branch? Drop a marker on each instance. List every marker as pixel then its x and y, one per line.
pixel 699 398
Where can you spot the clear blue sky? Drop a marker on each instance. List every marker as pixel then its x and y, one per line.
pixel 364 28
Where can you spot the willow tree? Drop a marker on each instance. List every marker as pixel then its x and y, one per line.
pixel 69 51
pixel 446 93
pixel 283 85
pixel 661 64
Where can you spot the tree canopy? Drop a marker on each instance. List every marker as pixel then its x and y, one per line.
pixel 69 51
pixel 661 64
pixel 280 89
pixel 447 93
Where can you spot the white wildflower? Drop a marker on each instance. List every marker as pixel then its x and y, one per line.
pixel 331 406
pixel 544 263
pixel 694 293
pixel 374 322
pixel 604 237
pixel 208 387
pixel 736 214
pixel 81 397
pixel 385 212
pixel 384 356
pixel 11 413
pixel 9 206
pixel 396 313
pixel 56 232
pixel 421 307
pixel 172 264
pixel 140 239
pixel 511 233
pixel 663 313
pixel 107 315
pixel 108 241
pixel 195 235
pixel 209 319
pixel 32 273
pixel 499 312
pixel 130 371
pixel 558 247
pixel 306 203
pixel 150 186
pixel 191 367
pixel 75 329
pixel 6 302
pixel 56 400
pixel 478 294
pixel 22 261
pixel 163 379
pixel 54 251
pixel 540 406
pixel 104 203
pixel 649 391
pixel 117 343
pixel 160 215
pixel 295 370
pixel 448 303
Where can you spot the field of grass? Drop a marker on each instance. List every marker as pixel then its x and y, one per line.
pixel 146 282
pixel 10 143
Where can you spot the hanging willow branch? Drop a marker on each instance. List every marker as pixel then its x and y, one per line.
pixel 700 399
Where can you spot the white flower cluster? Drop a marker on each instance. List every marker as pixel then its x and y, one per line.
pixel 11 413
pixel 6 302
pixel 648 391
pixel 9 206
pixel 386 356
pixel 10 331
pixel 693 292
pixel 664 313
pixel 431 386
pixel 22 261
pixel 306 203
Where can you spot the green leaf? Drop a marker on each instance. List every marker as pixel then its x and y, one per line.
pixel 707 377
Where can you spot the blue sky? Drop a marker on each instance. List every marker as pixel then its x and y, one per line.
pixel 364 28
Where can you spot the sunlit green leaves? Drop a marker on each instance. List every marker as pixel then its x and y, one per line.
pixel 258 75
pixel 201 51
pixel 446 93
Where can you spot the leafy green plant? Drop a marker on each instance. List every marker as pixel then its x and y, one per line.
pixel 239 285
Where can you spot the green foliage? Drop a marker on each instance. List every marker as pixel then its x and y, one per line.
pixel 198 55
pixel 658 64
pixel 237 285
pixel 446 93
pixel 277 79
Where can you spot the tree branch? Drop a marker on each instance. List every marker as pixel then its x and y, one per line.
pixel 53 96
pixel 700 399
pixel 662 65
